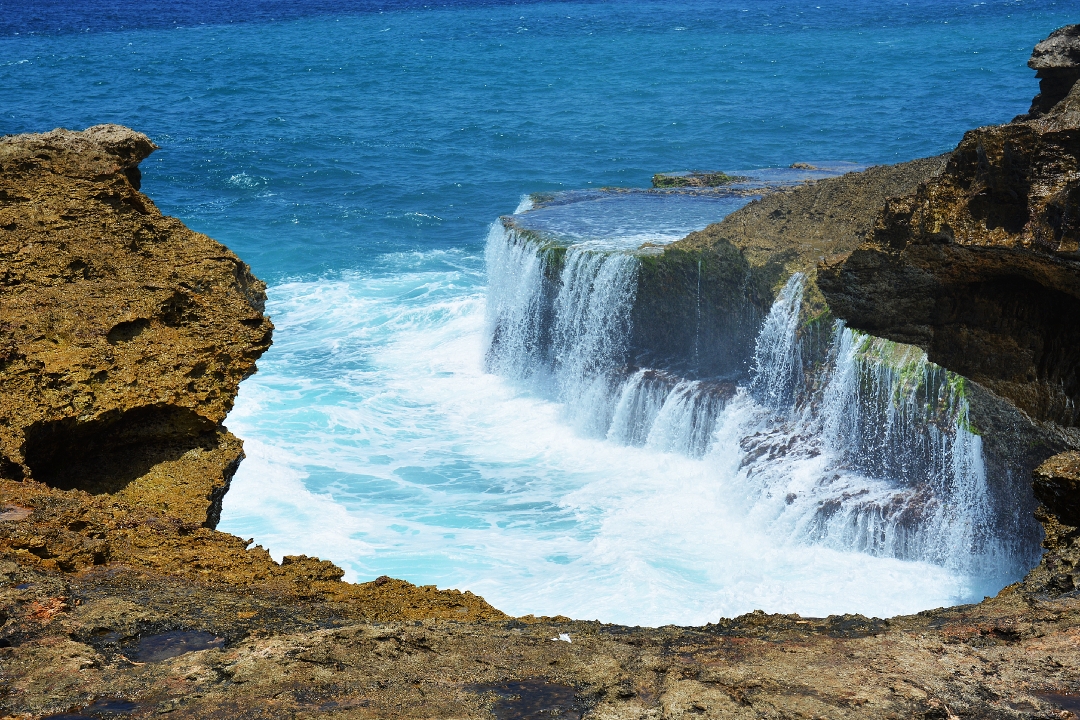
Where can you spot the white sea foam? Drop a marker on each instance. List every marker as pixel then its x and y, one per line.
pixel 375 438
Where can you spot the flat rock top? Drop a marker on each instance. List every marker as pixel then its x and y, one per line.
pixel 1061 50
pixel 101 149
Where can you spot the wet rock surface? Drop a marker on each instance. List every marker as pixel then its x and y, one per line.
pixel 701 301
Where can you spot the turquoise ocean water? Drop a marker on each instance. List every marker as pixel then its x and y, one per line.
pixel 356 154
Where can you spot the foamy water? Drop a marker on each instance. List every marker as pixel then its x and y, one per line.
pixel 375 438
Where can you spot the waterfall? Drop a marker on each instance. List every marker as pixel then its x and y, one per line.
pixel 667 414
pixel 777 356
pixel 888 412
pixel 515 304
pixel 881 460
pixel 592 327
pixel 868 448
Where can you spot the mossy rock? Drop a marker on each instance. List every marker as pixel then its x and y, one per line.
pixel 694 179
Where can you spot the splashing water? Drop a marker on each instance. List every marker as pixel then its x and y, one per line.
pixel 487 434
pixel 777 358
pixel 880 460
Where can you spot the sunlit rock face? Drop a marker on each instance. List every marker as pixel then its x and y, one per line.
pixel 124 335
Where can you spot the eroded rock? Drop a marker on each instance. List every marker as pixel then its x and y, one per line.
pixel 123 335
pixel 981 265
pixel 1056 62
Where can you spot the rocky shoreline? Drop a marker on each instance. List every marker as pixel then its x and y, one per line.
pixel 124 336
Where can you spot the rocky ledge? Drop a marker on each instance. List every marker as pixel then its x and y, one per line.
pixel 123 336
pixel 980 267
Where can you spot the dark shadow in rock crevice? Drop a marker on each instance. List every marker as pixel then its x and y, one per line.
pixel 105 454
pixel 532 699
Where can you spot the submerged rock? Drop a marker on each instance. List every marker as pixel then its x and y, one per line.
pixel 693 179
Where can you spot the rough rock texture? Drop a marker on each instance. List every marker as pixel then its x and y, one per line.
pixel 981 267
pixel 1056 62
pixel 1057 487
pixel 123 338
pixel 154 643
pixel 123 335
pixel 701 300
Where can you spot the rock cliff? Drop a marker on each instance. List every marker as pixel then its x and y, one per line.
pixel 123 339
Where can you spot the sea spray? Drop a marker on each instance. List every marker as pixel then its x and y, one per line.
pixel 882 460
pixel 592 327
pixel 777 354
pixel 874 453
pixel 515 311
pixel 444 474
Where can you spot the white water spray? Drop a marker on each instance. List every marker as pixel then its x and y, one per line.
pixel 876 455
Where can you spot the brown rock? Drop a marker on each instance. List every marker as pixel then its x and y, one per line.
pixel 123 335
pixel 1057 485
pixel 123 339
pixel 1056 61
pixel 981 266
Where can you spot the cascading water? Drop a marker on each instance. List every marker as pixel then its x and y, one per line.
pixel 881 460
pixel 491 429
pixel 566 330
pixel 872 451
pixel 515 309
pixel 777 358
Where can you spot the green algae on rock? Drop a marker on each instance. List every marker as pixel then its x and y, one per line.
pixel 694 179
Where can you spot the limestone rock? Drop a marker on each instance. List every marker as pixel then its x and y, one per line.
pixel 1056 61
pixel 123 339
pixel 123 334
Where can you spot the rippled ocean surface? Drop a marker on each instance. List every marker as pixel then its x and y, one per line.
pixel 356 154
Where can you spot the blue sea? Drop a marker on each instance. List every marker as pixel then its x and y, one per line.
pixel 356 155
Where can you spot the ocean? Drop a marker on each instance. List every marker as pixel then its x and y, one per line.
pixel 358 156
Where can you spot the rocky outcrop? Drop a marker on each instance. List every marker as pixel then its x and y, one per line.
pixel 700 301
pixel 980 265
pixel 123 339
pixel 123 335
pixel 1056 62
pixel 1057 487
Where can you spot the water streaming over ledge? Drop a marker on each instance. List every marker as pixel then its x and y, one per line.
pixel 867 448
pixel 502 424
